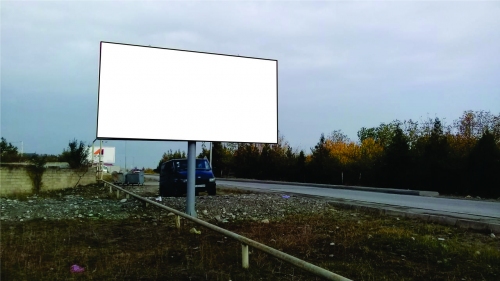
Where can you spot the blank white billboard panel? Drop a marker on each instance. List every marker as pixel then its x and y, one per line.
pixel 150 93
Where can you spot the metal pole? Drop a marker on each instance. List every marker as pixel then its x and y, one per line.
pixel 244 256
pixel 97 170
pixel 178 222
pixel 100 159
pixel 210 154
pixel 191 179
pixel 125 156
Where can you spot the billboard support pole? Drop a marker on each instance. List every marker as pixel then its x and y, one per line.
pixel 191 179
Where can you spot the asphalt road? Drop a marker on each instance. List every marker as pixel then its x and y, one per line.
pixel 459 207
pixel 473 209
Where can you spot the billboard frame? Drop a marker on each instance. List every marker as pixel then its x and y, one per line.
pixel 172 139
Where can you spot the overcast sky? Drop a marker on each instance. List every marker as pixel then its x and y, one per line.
pixel 342 65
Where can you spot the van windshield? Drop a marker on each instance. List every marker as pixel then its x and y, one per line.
pixel 201 164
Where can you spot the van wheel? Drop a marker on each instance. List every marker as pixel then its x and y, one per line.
pixel 175 191
pixel 212 191
pixel 168 191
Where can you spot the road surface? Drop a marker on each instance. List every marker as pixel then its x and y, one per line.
pixel 459 207
pixel 471 209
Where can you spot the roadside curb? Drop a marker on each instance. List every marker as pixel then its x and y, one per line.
pixel 360 188
pixel 438 219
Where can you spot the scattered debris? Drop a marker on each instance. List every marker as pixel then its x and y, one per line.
pixel 264 221
pixel 76 269
pixel 79 202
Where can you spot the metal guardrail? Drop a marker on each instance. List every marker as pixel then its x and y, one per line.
pixel 245 242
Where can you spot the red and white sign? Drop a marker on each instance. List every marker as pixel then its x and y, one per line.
pixel 107 155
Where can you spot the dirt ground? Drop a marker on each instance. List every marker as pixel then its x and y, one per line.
pixel 357 245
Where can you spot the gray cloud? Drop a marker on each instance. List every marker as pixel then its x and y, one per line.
pixel 342 65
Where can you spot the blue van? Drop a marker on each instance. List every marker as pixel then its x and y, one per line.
pixel 173 178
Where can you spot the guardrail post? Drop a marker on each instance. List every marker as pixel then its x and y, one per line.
pixel 127 196
pixel 244 256
pixel 110 189
pixel 178 221
pixel 117 193
pixel 245 242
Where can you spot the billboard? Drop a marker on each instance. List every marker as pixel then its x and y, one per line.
pixel 107 155
pixel 149 93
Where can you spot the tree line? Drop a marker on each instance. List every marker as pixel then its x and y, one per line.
pixel 75 155
pixel 462 158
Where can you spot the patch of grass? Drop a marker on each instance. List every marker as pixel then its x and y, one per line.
pixel 357 245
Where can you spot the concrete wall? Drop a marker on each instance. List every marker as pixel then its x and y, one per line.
pixel 15 179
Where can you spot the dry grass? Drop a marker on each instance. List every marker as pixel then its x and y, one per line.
pixel 366 247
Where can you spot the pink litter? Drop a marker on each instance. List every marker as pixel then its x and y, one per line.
pixel 76 269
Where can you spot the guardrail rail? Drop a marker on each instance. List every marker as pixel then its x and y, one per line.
pixel 245 242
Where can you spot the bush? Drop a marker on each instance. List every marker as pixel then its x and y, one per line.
pixel 76 155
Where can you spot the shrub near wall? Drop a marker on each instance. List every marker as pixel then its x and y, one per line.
pixel 15 179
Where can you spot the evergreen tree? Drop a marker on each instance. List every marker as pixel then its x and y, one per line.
pixel 397 160
pixel 484 167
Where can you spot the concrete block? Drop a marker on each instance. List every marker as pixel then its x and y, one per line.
pixel 476 225
pixel 423 217
pixel 394 213
pixel 442 220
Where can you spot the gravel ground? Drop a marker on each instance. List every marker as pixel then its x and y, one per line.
pixel 95 202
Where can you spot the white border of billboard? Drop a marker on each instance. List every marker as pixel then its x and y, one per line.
pixel 149 93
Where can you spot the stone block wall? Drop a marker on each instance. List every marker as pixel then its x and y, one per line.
pixel 15 179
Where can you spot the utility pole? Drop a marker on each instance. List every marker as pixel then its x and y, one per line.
pixel 210 155
pixel 92 155
pixel 125 156
pixel 100 160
